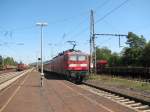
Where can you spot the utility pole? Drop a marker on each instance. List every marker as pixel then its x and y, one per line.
pixel 37 66
pixel 37 61
pixel 91 59
pixel 92 44
pixel 41 25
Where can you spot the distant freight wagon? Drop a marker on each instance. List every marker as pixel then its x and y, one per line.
pixel 7 67
pixel 140 73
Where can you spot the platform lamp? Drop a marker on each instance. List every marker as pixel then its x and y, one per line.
pixel 41 25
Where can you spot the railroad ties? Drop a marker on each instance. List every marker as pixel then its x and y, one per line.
pixel 7 76
pixel 137 106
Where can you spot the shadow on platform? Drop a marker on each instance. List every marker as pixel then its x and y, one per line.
pixel 53 76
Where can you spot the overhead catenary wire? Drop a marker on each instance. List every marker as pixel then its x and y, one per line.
pixel 102 5
pixel 69 18
pixel 13 30
pixel 112 11
pixel 85 29
pixel 86 19
pixel 93 34
pixel 105 41
pixel 103 17
pixel 107 14
pixel 78 15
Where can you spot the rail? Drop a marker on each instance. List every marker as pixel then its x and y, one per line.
pixel 131 102
pixel 9 78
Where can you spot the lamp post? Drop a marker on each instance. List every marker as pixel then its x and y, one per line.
pixel 41 25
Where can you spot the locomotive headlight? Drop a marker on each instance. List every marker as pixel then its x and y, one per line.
pixel 83 65
pixel 72 65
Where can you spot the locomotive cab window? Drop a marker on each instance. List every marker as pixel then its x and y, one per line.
pixel 73 58
pixel 81 58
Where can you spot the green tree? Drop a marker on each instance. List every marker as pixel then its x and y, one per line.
pixel 136 54
pixel 115 60
pixel 132 54
pixel 145 58
pixel 9 61
pixel 135 41
pixel 103 53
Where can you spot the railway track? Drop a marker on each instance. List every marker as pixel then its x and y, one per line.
pixel 8 78
pixel 134 104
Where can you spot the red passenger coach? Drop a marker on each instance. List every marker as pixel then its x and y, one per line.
pixel 73 64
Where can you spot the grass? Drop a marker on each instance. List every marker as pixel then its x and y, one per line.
pixel 121 82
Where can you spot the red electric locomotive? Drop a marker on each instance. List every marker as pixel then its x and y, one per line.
pixel 21 67
pixel 71 63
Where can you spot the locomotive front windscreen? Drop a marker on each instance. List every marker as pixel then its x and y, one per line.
pixel 73 58
pixel 81 58
pixel 77 58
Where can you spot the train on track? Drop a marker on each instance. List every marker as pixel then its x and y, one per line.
pixel 21 67
pixel 141 73
pixel 10 68
pixel 7 68
pixel 73 64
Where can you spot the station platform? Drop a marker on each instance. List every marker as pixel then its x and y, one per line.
pixel 25 95
pixel 56 95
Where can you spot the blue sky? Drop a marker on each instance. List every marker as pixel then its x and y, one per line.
pixel 67 20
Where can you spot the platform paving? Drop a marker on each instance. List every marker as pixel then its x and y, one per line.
pixel 57 95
